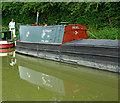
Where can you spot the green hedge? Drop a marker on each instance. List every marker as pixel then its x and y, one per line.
pixel 96 16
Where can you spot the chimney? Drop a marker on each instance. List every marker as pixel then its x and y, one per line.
pixel 37 19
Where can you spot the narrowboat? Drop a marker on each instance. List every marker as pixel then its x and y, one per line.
pixel 68 43
pixel 6 42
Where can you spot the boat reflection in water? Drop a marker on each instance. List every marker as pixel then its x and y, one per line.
pixel 35 79
pixel 6 52
pixel 13 59
pixel 47 81
pixel 10 52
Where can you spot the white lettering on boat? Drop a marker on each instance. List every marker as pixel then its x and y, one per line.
pixel 75 27
pixel 75 32
pixel 44 33
pixel 27 34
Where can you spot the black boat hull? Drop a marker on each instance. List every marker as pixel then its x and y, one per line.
pixel 99 56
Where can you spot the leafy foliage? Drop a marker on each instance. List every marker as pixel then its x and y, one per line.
pixel 97 15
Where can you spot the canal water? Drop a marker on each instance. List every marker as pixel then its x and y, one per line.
pixel 26 78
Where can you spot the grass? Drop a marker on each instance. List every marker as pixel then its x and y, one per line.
pixel 105 33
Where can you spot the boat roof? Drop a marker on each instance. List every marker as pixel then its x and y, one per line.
pixel 94 42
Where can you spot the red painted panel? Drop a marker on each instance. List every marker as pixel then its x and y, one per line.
pixel 74 32
pixel 6 45
pixel 6 50
pixel 75 27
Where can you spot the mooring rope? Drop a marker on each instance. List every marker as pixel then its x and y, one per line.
pixel 92 34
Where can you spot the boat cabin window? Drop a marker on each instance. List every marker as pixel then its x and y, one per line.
pixel 5 35
pixel 0 35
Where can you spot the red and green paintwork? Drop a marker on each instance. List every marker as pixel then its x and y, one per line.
pixel 6 42
pixel 57 34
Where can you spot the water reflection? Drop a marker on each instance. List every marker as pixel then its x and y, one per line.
pixel 48 82
pixel 6 52
pixel 13 59
pixel 42 80
pixel 9 52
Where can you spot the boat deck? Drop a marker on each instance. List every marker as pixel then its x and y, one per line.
pixel 95 43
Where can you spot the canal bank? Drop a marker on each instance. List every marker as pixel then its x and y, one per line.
pixel 99 54
pixel 35 79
